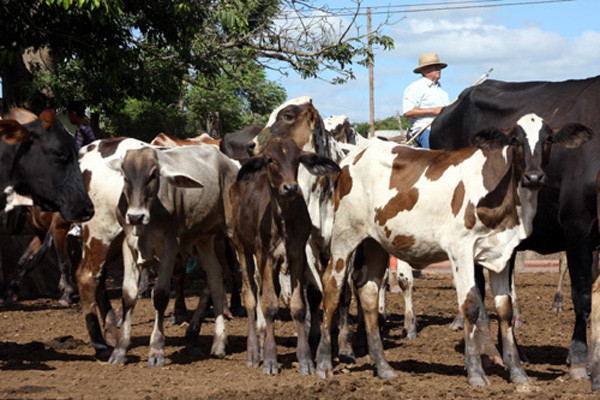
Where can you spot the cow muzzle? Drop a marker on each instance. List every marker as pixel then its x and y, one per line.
pixel 289 189
pixel 534 180
pixel 137 217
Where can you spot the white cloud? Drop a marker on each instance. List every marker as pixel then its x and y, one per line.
pixel 470 45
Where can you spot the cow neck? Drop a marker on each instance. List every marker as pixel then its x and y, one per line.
pixel 498 208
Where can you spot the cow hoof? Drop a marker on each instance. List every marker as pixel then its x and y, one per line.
pixel 156 360
pixel 270 369
pixel 307 368
pixel 324 373
pixel 218 352
pixel 103 353
pixel 579 372
pixel 387 374
pixel 519 378
pixel 118 357
pixel 458 323
pixel 194 351
pixel 478 380
pixel 517 323
pixel 347 358
pixel 65 301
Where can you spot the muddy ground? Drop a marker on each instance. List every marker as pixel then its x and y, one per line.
pixel 44 354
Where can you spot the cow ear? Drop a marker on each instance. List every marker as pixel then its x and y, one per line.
pixel 12 132
pixel 115 163
pixel 251 166
pixel 572 135
pixel 319 165
pixel 490 139
pixel 182 180
pixel 22 115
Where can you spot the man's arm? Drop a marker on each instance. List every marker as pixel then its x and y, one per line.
pixel 422 112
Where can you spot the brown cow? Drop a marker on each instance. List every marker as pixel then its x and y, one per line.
pixel 271 225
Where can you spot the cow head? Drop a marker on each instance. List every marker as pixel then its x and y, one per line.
pixel 298 120
pixel 532 139
pixel 280 158
pixel 142 171
pixel 40 162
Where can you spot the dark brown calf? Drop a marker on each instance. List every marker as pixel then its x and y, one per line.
pixel 271 225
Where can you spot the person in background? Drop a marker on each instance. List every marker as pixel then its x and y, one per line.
pixel 424 99
pixel 85 133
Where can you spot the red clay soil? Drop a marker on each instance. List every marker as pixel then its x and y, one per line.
pixel 44 354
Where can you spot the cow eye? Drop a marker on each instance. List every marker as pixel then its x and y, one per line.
pixel 288 117
pixel 61 157
pixel 152 176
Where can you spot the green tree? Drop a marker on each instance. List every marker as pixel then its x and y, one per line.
pixel 110 52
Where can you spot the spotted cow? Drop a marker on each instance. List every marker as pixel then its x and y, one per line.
pixel 473 205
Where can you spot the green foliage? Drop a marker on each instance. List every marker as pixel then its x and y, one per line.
pixel 144 119
pixel 238 102
pixel 191 58
pixel 387 124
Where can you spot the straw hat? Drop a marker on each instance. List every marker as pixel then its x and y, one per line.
pixel 429 59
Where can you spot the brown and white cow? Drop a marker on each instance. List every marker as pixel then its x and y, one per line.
pixel 164 140
pixel 471 206
pixel 101 236
pixel 270 228
pixel 172 203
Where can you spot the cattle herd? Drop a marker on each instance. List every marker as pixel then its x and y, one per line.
pixel 310 212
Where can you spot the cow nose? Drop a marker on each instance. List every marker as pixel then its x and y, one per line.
pixel 534 180
pixel 135 219
pixel 251 147
pixel 290 188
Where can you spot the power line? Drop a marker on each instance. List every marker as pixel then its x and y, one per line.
pixel 327 14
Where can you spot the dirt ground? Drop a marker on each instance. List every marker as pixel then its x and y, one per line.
pixel 45 354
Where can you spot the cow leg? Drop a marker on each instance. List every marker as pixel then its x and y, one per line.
pixel 180 312
pixel 88 275
pixel 214 278
pixel 129 298
pixel 249 292
pixel 557 304
pixel 30 258
pixel 579 260
pixel 470 304
pixel 270 305
pixel 61 245
pixel 368 281
pixel 160 298
pixel 485 343
pixel 298 311
pixel 594 359
pixel 501 288
pixel 517 265
pixel 406 280
pixel 345 351
pixel 314 295
pixel 334 277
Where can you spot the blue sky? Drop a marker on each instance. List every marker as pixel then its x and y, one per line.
pixel 549 41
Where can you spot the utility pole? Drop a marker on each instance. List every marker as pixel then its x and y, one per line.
pixel 371 97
